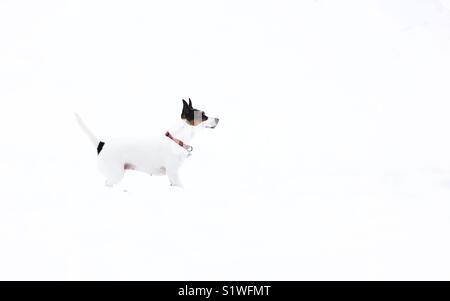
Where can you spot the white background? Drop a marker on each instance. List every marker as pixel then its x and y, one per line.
pixel 331 160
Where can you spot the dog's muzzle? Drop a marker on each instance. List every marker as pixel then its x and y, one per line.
pixel 216 120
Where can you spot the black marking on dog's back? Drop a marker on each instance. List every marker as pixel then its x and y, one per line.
pixel 100 147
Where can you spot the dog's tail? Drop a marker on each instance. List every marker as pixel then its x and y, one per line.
pixel 87 131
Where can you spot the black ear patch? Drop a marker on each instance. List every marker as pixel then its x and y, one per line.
pixel 185 104
pixel 190 103
pixel 188 111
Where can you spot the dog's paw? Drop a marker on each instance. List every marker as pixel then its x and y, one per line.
pixel 176 185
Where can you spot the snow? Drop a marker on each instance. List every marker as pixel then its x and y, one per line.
pixel 331 160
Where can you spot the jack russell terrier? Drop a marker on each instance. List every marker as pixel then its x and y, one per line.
pixel 161 155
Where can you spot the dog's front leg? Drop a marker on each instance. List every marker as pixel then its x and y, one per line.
pixel 174 177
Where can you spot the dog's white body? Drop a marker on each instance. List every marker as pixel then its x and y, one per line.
pixel 157 156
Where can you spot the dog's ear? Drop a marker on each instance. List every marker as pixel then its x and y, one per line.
pixel 185 105
pixel 190 103
pixel 186 110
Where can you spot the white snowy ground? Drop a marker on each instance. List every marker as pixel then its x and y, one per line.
pixel 331 160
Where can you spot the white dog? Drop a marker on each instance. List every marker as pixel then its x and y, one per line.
pixel 158 156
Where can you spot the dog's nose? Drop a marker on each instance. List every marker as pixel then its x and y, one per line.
pixel 217 120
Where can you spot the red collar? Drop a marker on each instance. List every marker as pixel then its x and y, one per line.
pixel 179 142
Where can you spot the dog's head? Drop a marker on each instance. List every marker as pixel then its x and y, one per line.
pixel 197 118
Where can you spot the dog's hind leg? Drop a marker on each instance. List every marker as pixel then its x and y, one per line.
pixel 113 174
pixel 113 179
